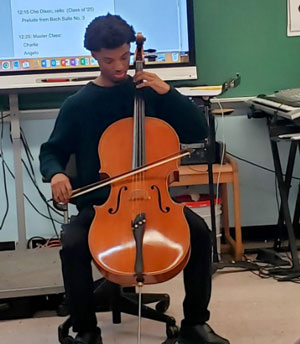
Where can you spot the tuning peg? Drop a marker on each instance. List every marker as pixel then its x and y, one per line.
pixel 150 51
pixel 151 58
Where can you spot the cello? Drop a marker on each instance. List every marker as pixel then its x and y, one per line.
pixel 139 234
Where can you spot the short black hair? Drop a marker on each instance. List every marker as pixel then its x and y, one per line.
pixel 108 32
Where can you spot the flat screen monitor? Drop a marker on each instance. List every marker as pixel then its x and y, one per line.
pixel 42 41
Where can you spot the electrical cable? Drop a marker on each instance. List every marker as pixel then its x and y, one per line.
pixel 4 173
pixel 256 165
pixel 32 177
pixel 2 113
pixel 27 198
pixel 52 242
pixel 281 273
pixel 6 167
pixel 28 152
pixel 31 174
pixel 39 191
pixel 29 241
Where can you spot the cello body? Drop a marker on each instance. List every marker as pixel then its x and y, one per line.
pixel 166 239
pixel 139 235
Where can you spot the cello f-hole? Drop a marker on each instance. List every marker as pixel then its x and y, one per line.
pixel 111 210
pixel 167 209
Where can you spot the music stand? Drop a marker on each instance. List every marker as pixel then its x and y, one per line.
pixel 208 93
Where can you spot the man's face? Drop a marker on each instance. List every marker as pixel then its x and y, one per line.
pixel 114 64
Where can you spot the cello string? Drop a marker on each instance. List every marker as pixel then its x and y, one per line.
pixel 135 157
pixel 140 193
pixel 142 151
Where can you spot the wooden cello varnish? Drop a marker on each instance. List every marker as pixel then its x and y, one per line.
pixel 140 204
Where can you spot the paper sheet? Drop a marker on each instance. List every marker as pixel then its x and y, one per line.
pixel 293 22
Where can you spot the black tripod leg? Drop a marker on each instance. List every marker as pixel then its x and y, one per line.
pixel 213 214
pixel 287 182
pixel 297 211
pixel 284 203
pixel 297 206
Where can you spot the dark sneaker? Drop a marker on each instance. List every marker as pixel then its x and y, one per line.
pixel 199 334
pixel 91 337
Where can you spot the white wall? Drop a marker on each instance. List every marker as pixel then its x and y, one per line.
pixel 249 139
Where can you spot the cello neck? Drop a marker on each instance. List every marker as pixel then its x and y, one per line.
pixel 139 152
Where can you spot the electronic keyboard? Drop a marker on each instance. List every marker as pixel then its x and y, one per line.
pixel 284 103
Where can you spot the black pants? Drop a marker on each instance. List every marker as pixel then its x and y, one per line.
pixel 77 271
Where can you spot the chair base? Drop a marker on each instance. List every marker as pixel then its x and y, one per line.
pixel 125 300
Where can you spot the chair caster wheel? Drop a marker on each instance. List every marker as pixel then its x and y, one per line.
pixel 172 331
pixel 62 310
pixel 67 340
pixel 163 305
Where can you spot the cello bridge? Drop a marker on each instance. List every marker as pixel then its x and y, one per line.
pixel 139 195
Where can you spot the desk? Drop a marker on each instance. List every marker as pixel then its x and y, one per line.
pixel 227 173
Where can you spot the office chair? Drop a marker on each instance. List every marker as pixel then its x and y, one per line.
pixel 112 297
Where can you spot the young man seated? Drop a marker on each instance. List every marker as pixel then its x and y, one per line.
pixel 82 120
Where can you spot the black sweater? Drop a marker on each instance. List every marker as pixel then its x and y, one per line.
pixel 85 115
